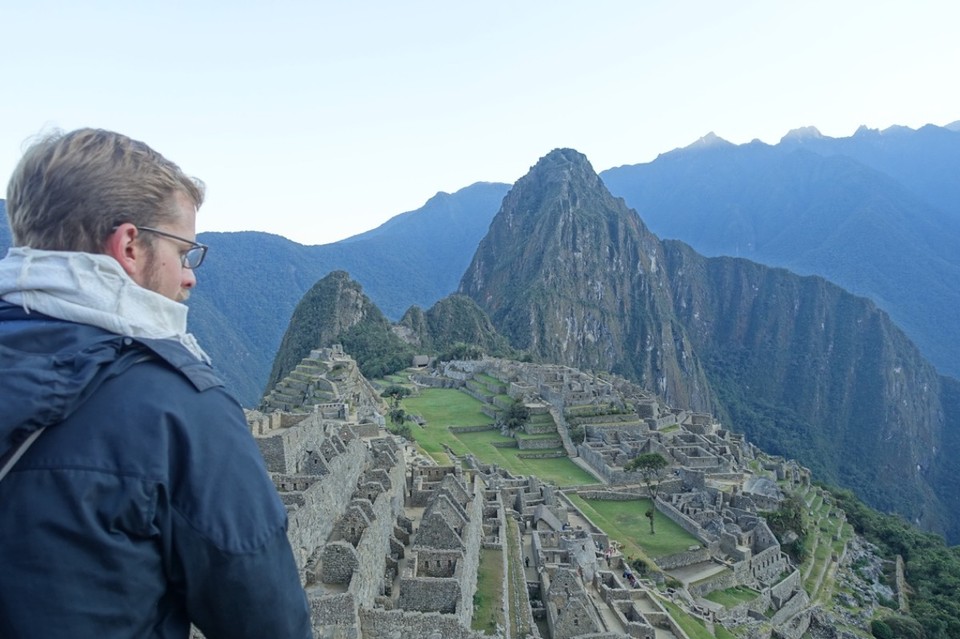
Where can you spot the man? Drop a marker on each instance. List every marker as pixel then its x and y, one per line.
pixel 135 501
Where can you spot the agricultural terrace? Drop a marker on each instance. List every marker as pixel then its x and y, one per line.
pixel 441 408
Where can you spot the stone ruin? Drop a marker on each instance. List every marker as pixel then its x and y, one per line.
pixel 385 549
pixel 389 544
pixel 713 490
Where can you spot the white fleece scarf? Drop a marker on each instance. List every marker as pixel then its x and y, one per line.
pixel 92 289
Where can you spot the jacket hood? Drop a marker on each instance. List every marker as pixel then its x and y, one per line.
pixel 49 367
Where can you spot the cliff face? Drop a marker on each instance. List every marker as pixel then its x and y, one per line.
pixel 811 371
pixel 877 213
pixel 569 274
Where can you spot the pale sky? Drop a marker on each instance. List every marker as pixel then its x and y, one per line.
pixel 320 120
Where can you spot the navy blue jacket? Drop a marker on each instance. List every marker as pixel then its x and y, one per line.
pixel 144 506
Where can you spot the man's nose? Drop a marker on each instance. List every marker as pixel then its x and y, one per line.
pixel 188 278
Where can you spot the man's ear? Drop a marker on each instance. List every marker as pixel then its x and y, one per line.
pixel 122 246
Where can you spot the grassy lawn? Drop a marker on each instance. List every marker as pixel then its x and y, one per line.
pixel 556 470
pixel 442 408
pixel 487 612
pixel 693 628
pixel 732 596
pixel 483 378
pixel 518 603
pixel 625 521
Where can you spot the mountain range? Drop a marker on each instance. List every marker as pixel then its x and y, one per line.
pixel 877 213
pixel 901 250
pixel 567 273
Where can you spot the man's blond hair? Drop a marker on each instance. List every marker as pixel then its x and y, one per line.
pixel 71 190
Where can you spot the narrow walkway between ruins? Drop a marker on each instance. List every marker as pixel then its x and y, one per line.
pixel 529 572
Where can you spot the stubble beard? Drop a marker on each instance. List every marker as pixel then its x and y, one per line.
pixel 152 281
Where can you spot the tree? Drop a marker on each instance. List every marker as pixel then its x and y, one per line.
pixel 789 518
pixel 461 351
pixel 651 467
pixel 395 392
pixel 398 416
pixel 577 434
pixel 515 416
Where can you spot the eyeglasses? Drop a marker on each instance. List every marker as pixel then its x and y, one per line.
pixel 192 257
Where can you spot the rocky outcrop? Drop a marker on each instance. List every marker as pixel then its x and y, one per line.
pixel 572 276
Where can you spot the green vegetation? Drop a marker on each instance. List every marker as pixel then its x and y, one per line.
pixel 461 351
pixel 398 417
pixel 791 518
pixel 442 408
pixel 515 417
pixel 483 378
pixel 932 568
pixel 651 467
pixel 519 603
pixel 377 350
pixel 556 470
pixel 897 627
pixel 691 626
pixel 487 612
pixel 733 596
pixel 624 521
pixel 822 539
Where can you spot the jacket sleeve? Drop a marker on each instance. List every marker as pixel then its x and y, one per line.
pixel 228 544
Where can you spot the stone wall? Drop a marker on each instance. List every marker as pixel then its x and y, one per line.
pixel 340 561
pixel 782 591
pixel 553 455
pixel 799 602
pixel 686 558
pixel 337 610
pixel 368 581
pixel 526 443
pixel 451 532
pixel 471 429
pixel 613 495
pixel 686 523
pixel 719 581
pixel 400 624
pixel 764 566
pixel 431 381
pixel 540 428
pixel 611 419
pixel 473 539
pixel 430 594
pixel 311 524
